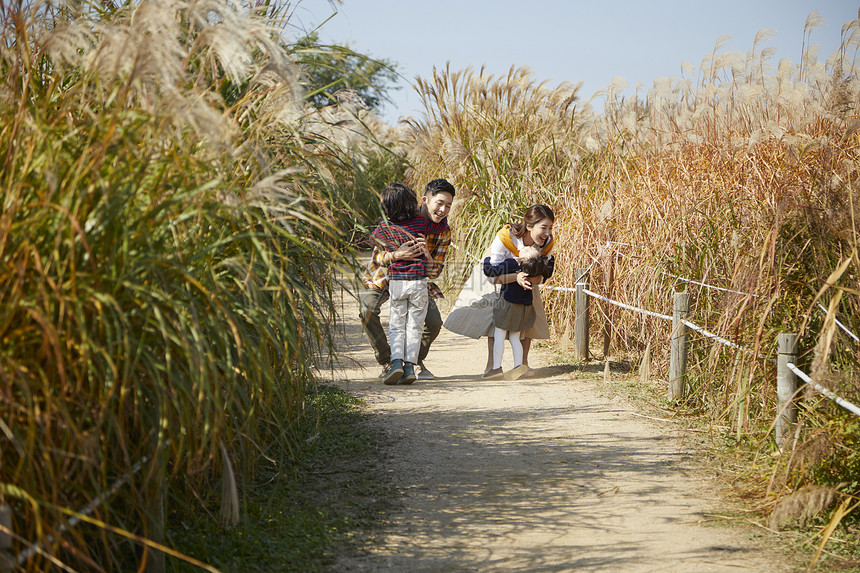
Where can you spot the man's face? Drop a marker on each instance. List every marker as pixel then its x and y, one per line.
pixel 438 206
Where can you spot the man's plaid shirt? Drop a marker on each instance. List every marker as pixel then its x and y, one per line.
pixel 376 274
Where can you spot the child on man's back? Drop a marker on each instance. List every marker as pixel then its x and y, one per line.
pixel 407 279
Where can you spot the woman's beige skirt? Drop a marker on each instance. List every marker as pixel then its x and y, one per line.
pixel 540 329
pixel 513 317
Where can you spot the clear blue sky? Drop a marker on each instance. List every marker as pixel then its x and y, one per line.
pixel 565 40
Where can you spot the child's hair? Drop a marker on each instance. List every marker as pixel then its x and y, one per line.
pixel 532 262
pixel 439 186
pixel 534 214
pixel 399 202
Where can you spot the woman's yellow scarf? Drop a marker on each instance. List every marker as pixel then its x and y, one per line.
pixel 504 235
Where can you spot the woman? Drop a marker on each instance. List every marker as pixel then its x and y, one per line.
pixel 534 231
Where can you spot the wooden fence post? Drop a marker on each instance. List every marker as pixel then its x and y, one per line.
pixel 609 267
pixel 786 385
pixel 7 564
pixel 678 348
pixel 580 327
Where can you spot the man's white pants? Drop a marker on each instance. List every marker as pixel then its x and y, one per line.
pixel 408 308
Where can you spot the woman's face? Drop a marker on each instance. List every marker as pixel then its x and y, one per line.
pixel 539 233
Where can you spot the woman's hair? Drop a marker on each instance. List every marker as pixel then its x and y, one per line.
pixel 534 214
pixel 399 202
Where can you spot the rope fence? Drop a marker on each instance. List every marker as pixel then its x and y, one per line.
pixel 601 250
pixel 840 325
pixel 716 337
pixel 627 306
pixel 691 281
pixel 723 289
pixel 689 324
pixel 786 371
pixel 841 401
pixel 677 366
pixel 705 285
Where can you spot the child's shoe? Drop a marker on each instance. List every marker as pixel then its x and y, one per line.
pixel 408 374
pixel 395 373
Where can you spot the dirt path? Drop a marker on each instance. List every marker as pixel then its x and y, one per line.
pixel 549 473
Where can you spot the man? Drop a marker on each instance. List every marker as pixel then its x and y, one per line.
pixel 435 206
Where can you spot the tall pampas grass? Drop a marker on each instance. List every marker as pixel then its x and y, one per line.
pixel 171 216
pixel 742 176
pixel 507 141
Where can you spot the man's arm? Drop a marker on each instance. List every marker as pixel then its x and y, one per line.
pixel 378 257
pixel 437 245
pixel 375 274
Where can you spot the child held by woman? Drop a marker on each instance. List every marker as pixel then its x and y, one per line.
pixel 407 279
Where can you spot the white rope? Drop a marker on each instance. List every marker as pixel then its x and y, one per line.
pixel 714 336
pixel 594 260
pixel 683 278
pixel 617 243
pixel 627 306
pixel 600 253
pixel 663 316
pixel 705 284
pixel 840 325
pixel 609 243
pixel 562 289
pixel 844 403
pixel 694 282
pixel 689 324
pixel 667 317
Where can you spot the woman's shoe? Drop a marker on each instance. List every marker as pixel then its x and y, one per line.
pixel 394 374
pixel 495 374
pixel 408 374
pixel 517 373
